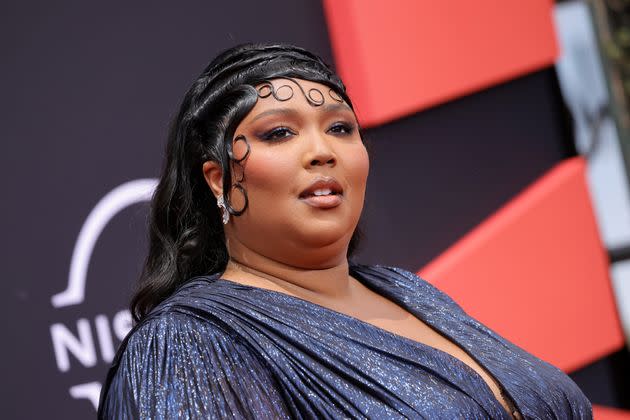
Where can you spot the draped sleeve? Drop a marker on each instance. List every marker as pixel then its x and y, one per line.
pixel 179 366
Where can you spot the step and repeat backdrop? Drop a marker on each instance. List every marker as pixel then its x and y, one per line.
pixel 463 125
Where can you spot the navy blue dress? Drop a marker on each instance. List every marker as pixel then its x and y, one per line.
pixel 219 349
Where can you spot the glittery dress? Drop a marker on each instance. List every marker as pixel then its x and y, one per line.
pixel 219 349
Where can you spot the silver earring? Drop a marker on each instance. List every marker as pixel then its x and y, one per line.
pixel 225 215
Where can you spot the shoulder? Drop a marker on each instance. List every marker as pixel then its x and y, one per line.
pixel 177 362
pixel 409 284
pixel 169 326
pixel 176 331
pixel 184 314
pixel 180 317
pixel 169 336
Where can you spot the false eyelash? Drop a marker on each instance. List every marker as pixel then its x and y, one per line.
pixel 349 128
pixel 271 134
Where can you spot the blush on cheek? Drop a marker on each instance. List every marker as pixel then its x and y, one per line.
pixel 359 165
pixel 270 169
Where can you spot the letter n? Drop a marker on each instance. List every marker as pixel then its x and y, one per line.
pixel 82 347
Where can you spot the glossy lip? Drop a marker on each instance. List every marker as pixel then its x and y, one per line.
pixel 323 201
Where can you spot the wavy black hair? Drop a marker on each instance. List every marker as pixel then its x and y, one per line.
pixel 186 237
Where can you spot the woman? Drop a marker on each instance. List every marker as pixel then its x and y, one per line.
pixel 248 306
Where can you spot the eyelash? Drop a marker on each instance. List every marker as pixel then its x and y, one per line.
pixel 275 134
pixel 349 128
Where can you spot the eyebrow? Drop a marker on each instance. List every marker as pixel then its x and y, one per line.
pixel 292 112
pixel 274 111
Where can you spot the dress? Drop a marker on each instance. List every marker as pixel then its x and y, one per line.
pixel 219 349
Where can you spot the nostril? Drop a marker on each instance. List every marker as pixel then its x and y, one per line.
pixel 319 162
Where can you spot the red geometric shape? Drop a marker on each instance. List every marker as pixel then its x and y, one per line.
pixel 607 413
pixel 537 273
pixel 400 57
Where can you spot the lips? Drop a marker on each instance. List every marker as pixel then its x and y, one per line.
pixel 323 192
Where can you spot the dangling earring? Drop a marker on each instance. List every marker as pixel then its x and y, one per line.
pixel 225 215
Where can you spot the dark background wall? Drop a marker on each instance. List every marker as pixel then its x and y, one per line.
pixel 87 94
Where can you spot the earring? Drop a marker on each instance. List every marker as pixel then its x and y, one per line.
pixel 225 215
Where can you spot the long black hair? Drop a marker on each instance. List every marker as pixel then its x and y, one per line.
pixel 186 237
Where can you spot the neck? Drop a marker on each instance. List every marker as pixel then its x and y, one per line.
pixel 326 281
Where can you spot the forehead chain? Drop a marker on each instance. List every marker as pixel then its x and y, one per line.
pixel 284 92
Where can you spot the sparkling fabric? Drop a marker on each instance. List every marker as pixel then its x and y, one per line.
pixel 218 349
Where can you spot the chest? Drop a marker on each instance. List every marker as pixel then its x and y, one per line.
pixel 408 326
pixel 386 315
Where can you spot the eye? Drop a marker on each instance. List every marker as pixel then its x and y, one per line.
pixel 341 128
pixel 277 133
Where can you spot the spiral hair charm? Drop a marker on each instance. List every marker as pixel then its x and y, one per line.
pixel 284 92
pixel 334 95
pixel 237 163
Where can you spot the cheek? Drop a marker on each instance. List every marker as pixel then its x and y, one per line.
pixel 268 172
pixel 358 165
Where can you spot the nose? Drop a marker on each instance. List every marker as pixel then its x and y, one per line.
pixel 319 152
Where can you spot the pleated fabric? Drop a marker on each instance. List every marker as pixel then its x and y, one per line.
pixel 219 349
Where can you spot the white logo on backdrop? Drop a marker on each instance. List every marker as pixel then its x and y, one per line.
pixel 116 200
pixel 83 345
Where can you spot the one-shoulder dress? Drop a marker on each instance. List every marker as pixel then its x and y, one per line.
pixel 220 349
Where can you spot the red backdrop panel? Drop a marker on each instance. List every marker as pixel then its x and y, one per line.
pixel 399 57
pixel 537 273
pixel 606 413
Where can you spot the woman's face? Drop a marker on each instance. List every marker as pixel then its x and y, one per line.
pixel 305 176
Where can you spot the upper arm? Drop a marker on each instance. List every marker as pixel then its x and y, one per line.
pixel 177 366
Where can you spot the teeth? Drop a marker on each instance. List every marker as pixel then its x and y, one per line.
pixel 322 192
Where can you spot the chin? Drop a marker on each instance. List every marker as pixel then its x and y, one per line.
pixel 321 260
pixel 325 236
